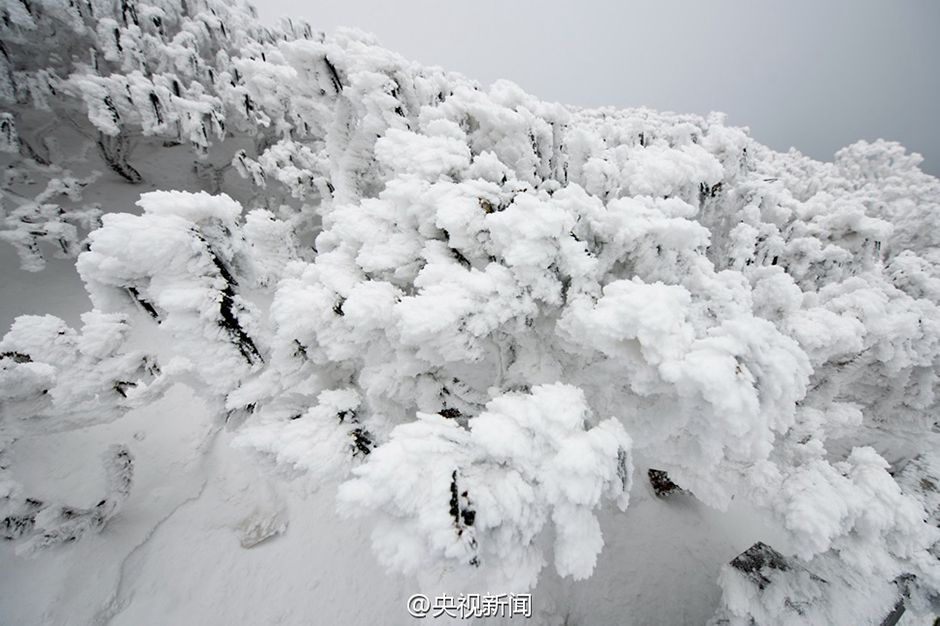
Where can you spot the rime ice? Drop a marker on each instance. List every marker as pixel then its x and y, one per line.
pixel 473 310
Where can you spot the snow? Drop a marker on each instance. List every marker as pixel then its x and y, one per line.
pixel 364 329
pixel 525 458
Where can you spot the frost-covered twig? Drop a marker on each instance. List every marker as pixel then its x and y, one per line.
pixel 39 524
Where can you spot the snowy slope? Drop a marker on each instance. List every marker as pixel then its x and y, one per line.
pixel 175 556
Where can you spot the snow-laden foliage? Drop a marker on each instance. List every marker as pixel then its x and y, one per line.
pixel 33 221
pixel 184 282
pixel 118 73
pixel 763 587
pixel 477 308
pixel 155 68
pixel 52 377
pixel 525 459
pixel 41 524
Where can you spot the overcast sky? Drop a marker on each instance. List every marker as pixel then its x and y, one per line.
pixel 812 74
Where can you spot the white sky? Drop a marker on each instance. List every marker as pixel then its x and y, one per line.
pixel 814 74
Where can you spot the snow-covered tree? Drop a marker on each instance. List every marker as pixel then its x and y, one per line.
pixel 121 74
pixel 39 524
pixel 477 311
pixel 53 379
pixel 525 460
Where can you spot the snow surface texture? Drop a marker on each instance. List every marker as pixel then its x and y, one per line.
pixel 389 321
